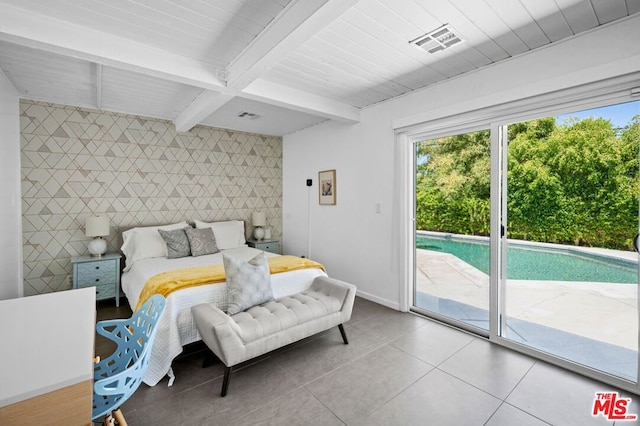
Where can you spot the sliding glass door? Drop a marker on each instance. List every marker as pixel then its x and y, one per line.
pixel 571 287
pixel 556 201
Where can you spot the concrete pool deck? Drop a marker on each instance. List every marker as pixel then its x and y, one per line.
pixel 600 311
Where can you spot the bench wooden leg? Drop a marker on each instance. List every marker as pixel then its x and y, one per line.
pixel 225 381
pixel 344 335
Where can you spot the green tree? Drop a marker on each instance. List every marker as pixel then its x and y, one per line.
pixel 577 192
pixel 453 184
pixel 575 183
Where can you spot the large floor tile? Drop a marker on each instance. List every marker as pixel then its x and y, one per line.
pixel 433 343
pixel 388 324
pixel 436 399
pixel 320 356
pixel 492 368
pixel 508 415
pixel 251 387
pixel 360 387
pixel 184 408
pixel 557 396
pixel 363 308
pixel 298 407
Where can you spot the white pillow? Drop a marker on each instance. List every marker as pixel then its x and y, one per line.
pixel 248 283
pixel 145 242
pixel 229 234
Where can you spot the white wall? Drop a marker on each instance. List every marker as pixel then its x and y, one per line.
pixel 339 235
pixel 10 193
pixel 357 244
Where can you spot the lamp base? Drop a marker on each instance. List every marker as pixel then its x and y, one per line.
pixel 258 233
pixel 97 247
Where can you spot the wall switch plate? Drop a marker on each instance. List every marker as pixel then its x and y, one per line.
pixel 309 182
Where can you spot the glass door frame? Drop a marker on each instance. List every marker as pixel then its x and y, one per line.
pixel 496 118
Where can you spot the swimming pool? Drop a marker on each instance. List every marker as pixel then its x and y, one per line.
pixel 534 263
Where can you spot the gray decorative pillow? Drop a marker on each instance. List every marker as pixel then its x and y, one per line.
pixel 177 243
pixel 201 241
pixel 248 283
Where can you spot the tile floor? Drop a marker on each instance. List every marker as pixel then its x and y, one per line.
pixel 398 369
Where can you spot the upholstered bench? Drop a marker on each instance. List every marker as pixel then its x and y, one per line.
pixel 271 325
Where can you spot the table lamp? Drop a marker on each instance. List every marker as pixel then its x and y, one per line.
pixel 258 219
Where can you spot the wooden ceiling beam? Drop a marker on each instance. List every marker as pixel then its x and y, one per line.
pixel 297 23
pixel 205 104
pixel 286 97
pixel 52 35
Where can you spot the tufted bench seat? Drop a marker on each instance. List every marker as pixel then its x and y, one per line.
pixel 263 328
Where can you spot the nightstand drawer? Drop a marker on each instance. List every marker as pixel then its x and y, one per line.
pixel 96 273
pixel 272 247
pixel 105 291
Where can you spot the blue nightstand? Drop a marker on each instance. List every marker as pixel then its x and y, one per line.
pixel 103 273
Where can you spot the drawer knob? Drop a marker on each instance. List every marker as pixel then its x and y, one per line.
pixel 97 267
pixel 97 279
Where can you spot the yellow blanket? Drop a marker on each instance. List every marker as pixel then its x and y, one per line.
pixel 166 283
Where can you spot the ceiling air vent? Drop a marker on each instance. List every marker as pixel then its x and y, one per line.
pixel 245 114
pixel 439 39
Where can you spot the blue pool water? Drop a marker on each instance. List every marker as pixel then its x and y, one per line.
pixel 536 263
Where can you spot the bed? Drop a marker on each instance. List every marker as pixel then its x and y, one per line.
pixel 146 255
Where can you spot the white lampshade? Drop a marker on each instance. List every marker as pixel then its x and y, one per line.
pixel 259 218
pixel 97 226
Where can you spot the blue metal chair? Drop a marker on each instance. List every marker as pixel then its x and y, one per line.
pixel 119 375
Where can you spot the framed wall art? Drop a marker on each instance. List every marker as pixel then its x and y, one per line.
pixel 327 187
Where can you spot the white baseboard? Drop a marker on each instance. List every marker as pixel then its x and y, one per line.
pixel 379 300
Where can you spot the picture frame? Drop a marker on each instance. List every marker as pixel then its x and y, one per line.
pixel 327 187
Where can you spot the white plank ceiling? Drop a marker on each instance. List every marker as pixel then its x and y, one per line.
pixel 289 63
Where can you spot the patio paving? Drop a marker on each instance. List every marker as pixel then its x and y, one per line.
pixel 602 312
pixel 594 324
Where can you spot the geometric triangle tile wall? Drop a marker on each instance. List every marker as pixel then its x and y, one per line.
pixel 137 171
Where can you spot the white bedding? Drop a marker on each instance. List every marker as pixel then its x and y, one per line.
pixel 176 327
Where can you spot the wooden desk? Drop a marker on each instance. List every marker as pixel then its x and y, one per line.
pixel 46 368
